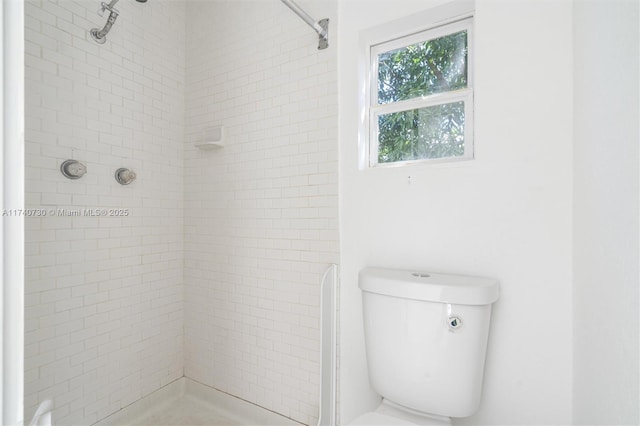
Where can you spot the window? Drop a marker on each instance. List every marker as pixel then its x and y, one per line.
pixel 421 97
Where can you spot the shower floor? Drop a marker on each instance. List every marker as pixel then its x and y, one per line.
pixel 188 403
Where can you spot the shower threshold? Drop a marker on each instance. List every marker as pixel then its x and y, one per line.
pixel 189 403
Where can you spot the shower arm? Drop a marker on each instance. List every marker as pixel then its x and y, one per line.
pixel 321 27
pixel 100 36
pixel 113 15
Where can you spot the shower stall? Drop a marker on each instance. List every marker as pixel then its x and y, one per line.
pixel 158 259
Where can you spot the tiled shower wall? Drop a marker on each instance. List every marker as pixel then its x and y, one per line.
pixel 261 215
pixel 104 294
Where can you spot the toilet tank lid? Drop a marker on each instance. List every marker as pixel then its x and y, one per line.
pixel 432 287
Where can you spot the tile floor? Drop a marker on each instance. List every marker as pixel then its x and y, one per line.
pixel 188 403
pixel 188 411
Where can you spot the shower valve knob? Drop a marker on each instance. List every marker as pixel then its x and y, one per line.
pixel 73 169
pixel 125 176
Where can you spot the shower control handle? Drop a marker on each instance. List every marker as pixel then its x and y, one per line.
pixel 125 176
pixel 73 169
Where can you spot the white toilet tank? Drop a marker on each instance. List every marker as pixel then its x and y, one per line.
pixel 426 338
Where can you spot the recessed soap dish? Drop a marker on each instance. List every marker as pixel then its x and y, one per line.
pixel 212 137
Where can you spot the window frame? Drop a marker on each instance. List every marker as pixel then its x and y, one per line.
pixel 373 110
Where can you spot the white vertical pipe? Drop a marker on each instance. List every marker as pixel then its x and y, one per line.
pixel 328 347
pixel 12 187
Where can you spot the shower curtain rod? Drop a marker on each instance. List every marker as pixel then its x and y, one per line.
pixel 321 27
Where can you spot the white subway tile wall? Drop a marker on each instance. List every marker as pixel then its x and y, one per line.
pixel 107 314
pixel 104 294
pixel 261 213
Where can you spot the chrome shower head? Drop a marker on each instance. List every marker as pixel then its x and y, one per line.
pixel 100 36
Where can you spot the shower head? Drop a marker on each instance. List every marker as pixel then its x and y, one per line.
pixel 100 35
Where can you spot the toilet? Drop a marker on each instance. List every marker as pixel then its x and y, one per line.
pixel 426 339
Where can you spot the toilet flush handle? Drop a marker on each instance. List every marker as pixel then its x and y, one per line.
pixel 455 322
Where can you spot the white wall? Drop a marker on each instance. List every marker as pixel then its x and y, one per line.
pixel 103 295
pixel 506 214
pixel 261 217
pixel 606 40
pixel 12 194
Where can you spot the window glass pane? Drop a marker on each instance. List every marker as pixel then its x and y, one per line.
pixel 431 132
pixel 433 66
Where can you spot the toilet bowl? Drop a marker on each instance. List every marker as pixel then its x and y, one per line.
pixel 426 338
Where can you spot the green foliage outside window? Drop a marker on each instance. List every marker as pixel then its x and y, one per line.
pixel 423 69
